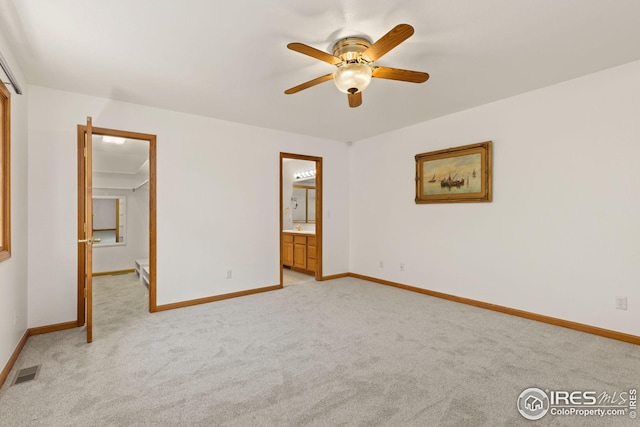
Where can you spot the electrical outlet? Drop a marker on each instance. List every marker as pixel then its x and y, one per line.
pixel 381 264
pixel 621 303
pixel 229 273
pixel 401 266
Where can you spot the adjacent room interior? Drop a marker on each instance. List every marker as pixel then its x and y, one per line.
pixel 300 203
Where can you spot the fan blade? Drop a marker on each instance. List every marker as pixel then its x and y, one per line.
pixel 355 99
pixel 314 53
pixel 309 84
pixel 398 74
pixel 393 38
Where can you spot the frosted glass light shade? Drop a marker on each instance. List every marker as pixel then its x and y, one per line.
pixel 352 76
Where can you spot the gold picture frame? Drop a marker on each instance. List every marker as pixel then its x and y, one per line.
pixel 455 175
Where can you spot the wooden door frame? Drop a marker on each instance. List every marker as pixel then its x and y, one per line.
pixel 318 162
pixel 152 212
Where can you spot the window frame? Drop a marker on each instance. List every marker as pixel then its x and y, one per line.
pixel 5 173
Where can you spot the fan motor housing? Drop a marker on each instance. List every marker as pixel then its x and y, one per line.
pixel 350 49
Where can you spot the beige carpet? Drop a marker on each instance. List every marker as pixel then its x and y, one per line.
pixel 338 353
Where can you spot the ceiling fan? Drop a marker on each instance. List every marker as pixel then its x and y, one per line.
pixel 354 58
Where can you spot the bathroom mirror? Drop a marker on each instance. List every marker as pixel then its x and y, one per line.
pixel 109 220
pixel 303 204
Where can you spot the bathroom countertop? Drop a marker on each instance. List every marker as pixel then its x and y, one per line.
pixel 300 232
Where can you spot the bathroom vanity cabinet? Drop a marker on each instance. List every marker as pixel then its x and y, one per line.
pixel 299 251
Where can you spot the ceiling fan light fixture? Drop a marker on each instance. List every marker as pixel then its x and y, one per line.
pixel 354 58
pixel 352 77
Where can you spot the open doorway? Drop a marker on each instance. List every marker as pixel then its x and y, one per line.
pixel 120 200
pixel 116 212
pixel 300 218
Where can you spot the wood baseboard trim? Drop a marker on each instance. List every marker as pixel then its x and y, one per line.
pixel 14 356
pixel 52 328
pixel 112 273
pixel 214 298
pixel 334 276
pixel 29 333
pixel 607 333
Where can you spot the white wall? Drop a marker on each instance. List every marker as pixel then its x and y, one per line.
pixel 138 230
pixel 211 216
pixel 562 235
pixel 13 272
pixel 122 257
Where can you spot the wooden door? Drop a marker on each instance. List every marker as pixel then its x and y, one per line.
pixel 86 239
pixel 85 208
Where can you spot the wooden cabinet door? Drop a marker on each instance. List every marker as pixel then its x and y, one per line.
pixel 300 252
pixel 287 250
pixel 287 254
pixel 300 256
pixel 311 253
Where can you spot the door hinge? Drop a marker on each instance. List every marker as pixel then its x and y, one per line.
pixel 85 151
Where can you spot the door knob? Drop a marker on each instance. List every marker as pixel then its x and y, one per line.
pixel 90 240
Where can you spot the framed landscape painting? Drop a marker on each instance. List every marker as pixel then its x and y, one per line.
pixel 453 175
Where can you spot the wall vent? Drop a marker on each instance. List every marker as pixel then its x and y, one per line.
pixel 26 374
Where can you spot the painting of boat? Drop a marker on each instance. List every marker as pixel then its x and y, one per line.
pixel 458 174
pixel 452 182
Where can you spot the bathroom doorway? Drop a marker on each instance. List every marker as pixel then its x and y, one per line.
pixel 300 218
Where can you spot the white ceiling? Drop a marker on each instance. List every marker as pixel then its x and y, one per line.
pixel 130 158
pixel 228 59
